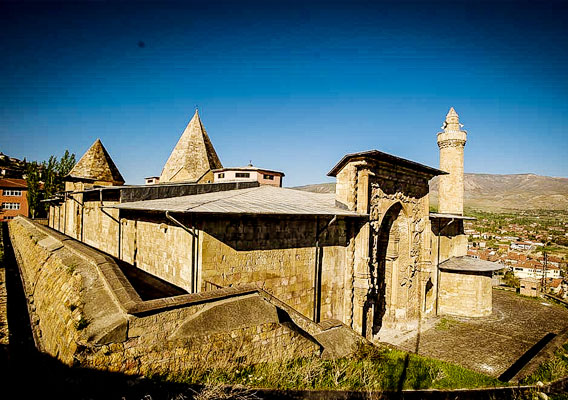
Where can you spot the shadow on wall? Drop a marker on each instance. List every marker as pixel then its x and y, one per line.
pixel 253 232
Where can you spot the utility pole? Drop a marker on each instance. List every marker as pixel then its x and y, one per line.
pixel 544 271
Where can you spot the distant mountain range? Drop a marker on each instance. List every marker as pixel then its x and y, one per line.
pixel 497 192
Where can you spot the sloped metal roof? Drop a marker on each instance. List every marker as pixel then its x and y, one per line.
pixel 387 158
pixel 451 216
pixel 258 200
pixel 466 263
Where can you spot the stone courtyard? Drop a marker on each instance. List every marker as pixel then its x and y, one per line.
pixel 492 344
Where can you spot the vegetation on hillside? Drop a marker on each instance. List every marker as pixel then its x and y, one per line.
pixel 371 368
pixel 552 369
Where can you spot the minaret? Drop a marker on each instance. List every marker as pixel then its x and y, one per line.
pixel 451 142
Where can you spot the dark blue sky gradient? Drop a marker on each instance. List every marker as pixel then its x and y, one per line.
pixel 291 86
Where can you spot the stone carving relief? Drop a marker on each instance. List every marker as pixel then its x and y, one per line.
pixel 405 243
pixel 451 143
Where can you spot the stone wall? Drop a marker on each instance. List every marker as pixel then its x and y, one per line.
pixel 101 227
pixel 465 293
pixel 275 253
pixel 162 249
pixel 452 242
pixel 4 332
pixel 279 255
pixel 52 286
pixel 85 312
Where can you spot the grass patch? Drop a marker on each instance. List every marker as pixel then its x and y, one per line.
pixel 551 370
pixel 446 324
pixel 370 368
pixel 71 268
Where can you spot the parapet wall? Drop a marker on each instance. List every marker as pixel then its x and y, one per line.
pixel 85 312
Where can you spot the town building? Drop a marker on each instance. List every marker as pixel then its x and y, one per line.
pixel 530 286
pixel 534 269
pixel 152 180
pixel 371 255
pixel 13 198
pixel 249 173
pixel 521 246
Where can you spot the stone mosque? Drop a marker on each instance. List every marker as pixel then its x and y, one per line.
pixel 370 256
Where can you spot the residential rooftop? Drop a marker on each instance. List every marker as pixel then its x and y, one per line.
pixel 13 183
pixel 248 168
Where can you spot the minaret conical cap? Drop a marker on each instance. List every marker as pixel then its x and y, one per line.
pixel 452 122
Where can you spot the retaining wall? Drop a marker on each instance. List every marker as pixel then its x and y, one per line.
pixel 85 312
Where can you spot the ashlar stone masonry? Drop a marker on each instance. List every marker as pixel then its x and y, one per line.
pixel 371 256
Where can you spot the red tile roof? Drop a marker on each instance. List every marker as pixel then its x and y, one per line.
pixel 13 183
pixel 554 283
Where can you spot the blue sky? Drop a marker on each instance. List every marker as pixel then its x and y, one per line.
pixel 292 86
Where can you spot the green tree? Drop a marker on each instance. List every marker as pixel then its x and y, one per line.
pixel 34 188
pixel 55 172
pixel 49 177
pixel 65 165
pixel 511 280
pixel 51 173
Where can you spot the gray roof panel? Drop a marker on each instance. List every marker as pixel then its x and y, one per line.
pixel 470 264
pixel 258 200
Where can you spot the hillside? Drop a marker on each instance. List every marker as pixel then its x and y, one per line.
pixel 498 192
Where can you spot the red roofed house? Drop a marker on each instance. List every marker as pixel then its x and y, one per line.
pixel 13 198
pixel 555 285
pixel 534 269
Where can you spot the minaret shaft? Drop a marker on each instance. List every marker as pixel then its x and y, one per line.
pixel 451 142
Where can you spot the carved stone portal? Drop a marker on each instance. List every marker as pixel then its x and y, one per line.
pixel 398 220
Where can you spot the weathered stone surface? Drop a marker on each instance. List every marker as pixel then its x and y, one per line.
pixel 96 166
pixel 4 331
pixel 465 294
pixel 192 157
pixel 492 344
pixel 451 187
pixel 228 314
pixel 338 341
pixel 79 319
pixel 277 254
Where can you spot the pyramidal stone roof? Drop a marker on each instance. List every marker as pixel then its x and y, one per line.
pixel 96 165
pixel 193 156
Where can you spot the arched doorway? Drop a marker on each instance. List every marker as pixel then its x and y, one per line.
pixel 391 240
